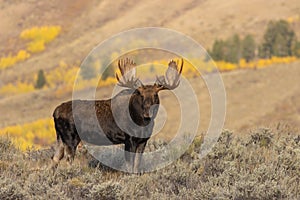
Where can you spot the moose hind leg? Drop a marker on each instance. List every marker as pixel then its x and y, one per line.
pixel 70 139
pixel 58 154
pixel 70 149
pixel 70 154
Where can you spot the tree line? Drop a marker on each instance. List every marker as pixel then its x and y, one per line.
pixel 279 40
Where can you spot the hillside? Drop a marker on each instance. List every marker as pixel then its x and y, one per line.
pixel 257 155
pixel 85 24
pixel 254 97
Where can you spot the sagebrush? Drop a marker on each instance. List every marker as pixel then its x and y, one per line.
pixel 265 164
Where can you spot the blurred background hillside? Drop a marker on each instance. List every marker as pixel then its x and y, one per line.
pixel 254 44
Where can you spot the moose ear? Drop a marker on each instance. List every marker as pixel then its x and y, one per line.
pixel 139 90
pixel 158 87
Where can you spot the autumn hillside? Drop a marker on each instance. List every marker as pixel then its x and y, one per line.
pixel 85 24
pixel 254 45
pixel 50 39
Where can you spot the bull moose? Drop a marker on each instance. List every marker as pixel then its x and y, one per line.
pixel 142 102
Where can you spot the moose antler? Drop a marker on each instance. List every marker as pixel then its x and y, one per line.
pixel 128 71
pixel 171 80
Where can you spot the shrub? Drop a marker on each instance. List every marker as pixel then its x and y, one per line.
pixel 265 164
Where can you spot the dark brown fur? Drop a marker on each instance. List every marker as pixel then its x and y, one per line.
pixel 140 103
pixel 96 121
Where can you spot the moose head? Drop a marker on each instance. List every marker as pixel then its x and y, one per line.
pixel 145 98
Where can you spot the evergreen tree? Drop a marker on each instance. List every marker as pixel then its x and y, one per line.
pixel 218 50
pixel 207 56
pixel 109 71
pixel 248 48
pixel 296 49
pixel 229 50
pixel 41 80
pixel 233 49
pixel 87 70
pixel 262 53
pixel 278 40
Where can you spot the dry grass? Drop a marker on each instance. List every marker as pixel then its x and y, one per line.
pixel 263 165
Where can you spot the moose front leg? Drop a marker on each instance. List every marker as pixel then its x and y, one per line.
pixel 138 157
pixel 130 149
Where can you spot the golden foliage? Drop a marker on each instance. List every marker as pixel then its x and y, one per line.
pixel 11 60
pixel 39 36
pixel 17 88
pixel 292 19
pixel 36 46
pixel 63 76
pixel 36 134
pixel 22 55
pixel 225 66
pixel 259 63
